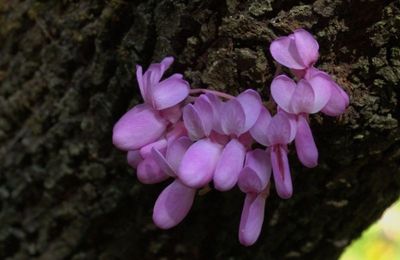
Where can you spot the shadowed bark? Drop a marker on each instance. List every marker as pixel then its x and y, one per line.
pixel 67 74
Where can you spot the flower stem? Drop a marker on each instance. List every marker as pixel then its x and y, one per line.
pixel 215 92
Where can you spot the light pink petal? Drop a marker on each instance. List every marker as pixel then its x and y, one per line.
pixel 307 47
pixel 293 123
pixel 176 150
pixel 205 110
pixel 156 71
pixel 166 63
pixel 216 104
pixel 321 85
pixel 338 102
pixel 284 51
pixel 281 171
pixel 259 130
pixel 134 158
pixel 173 205
pixel 170 92
pixel 279 130
pixel 252 218
pixel 303 98
pixel 229 165
pixel 142 86
pixel 305 146
pixel 232 117
pixel 282 90
pixel 148 172
pixel 193 122
pixel 172 114
pixel 198 164
pixel 139 126
pixel 162 162
pixel 161 145
pixel 252 105
pixel 177 131
pixel 255 175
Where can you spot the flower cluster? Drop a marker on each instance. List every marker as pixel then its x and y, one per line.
pixel 201 137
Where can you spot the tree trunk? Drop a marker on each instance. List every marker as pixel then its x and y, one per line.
pixel 67 73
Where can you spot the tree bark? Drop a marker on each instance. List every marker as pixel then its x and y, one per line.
pixel 67 74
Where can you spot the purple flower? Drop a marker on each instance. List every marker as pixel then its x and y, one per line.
pixel 298 51
pixel 338 101
pixel 301 99
pixel 236 117
pixel 254 181
pixel 199 161
pixel 173 204
pixel 175 201
pixel 276 133
pixel 145 123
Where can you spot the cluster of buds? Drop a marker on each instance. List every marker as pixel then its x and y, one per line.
pixel 201 137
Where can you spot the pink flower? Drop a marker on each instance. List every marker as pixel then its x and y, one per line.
pixel 301 99
pixel 198 163
pixel 145 123
pixel 338 101
pixel 297 51
pixel 276 133
pixel 175 201
pixel 236 117
pixel 254 181
pixel 173 204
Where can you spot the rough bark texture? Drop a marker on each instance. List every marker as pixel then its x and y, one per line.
pixel 67 74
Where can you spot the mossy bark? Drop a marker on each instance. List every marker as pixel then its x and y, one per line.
pixel 67 74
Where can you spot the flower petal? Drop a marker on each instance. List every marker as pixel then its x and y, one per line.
pixel 255 176
pixel 170 92
pixel 284 51
pixel 279 130
pixel 177 131
pixel 251 104
pixel 321 85
pixel 259 130
pixel 293 123
pixel 233 119
pixel 139 126
pixel 216 104
pixel 162 162
pixel 161 145
pixel 134 158
pixel 205 110
pixel 282 90
pixel 173 205
pixel 281 171
pixel 176 150
pixel 306 149
pixel 252 218
pixel 303 98
pixel 172 114
pixel 338 102
pixel 148 172
pixel 229 165
pixel 198 164
pixel 307 47
pixel 193 123
pixel 142 85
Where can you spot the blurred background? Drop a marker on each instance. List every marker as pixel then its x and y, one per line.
pixel 381 241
